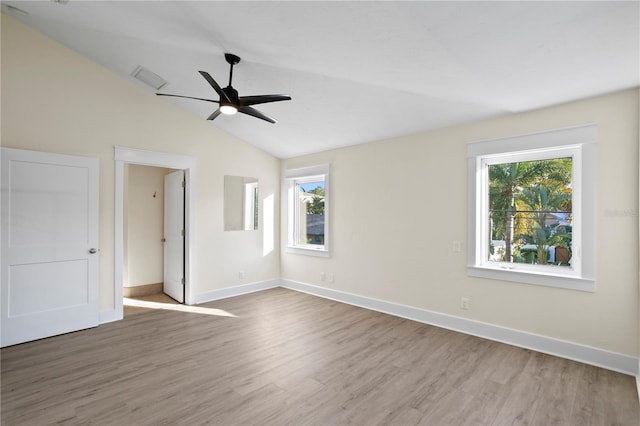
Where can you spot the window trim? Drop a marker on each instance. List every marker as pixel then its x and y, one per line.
pixel 250 206
pixel 292 177
pixel 580 142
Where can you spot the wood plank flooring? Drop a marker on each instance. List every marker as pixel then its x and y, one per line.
pixel 280 357
pixel 157 300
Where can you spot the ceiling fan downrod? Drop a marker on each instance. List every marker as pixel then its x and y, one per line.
pixel 231 60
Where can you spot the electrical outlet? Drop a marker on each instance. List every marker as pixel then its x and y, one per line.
pixel 323 276
pixel 456 246
pixel 331 278
pixel 241 275
pixel 465 303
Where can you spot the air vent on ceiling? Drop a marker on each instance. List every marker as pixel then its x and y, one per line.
pixel 149 78
pixel 12 10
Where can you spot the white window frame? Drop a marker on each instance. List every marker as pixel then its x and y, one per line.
pixel 294 177
pixel 250 206
pixel 579 143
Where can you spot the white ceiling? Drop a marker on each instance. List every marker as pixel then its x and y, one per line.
pixel 358 71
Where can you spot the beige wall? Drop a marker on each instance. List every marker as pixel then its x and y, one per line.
pixel 144 225
pixel 55 100
pixel 397 206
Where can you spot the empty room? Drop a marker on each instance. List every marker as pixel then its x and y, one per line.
pixel 320 212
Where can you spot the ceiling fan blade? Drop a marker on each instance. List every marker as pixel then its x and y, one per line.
pixel 255 113
pixel 188 97
pixel 262 99
pixel 215 85
pixel 214 114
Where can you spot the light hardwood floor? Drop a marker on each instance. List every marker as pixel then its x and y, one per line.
pixel 158 300
pixel 279 357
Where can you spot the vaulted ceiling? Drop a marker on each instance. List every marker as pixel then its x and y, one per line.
pixel 357 71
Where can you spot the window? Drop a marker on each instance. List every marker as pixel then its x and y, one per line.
pixel 250 206
pixel 308 206
pixel 531 208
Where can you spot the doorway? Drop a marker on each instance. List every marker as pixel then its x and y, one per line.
pixel 153 233
pixel 123 157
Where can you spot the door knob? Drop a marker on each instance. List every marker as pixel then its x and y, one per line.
pixel 93 251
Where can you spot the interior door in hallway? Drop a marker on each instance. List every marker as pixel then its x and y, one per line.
pixel 174 235
pixel 49 271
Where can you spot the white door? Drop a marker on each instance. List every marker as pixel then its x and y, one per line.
pixel 49 270
pixel 174 235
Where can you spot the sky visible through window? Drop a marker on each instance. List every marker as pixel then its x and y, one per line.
pixel 310 186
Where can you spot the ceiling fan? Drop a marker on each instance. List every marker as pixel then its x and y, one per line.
pixel 229 101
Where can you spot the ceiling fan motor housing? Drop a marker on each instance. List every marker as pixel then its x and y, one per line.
pixel 232 94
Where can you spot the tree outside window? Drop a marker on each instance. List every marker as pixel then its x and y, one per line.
pixel 530 212
pixel 308 198
pixel 532 208
pixel 312 221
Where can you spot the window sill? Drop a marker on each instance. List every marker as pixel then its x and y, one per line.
pixel 528 277
pixel 307 251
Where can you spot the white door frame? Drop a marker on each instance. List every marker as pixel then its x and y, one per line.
pixel 124 156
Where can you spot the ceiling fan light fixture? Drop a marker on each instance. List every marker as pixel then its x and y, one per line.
pixel 228 109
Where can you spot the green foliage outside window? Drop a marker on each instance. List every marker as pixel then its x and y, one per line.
pixel 530 205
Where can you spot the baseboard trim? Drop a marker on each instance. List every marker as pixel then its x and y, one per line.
pixel 238 290
pixel 582 353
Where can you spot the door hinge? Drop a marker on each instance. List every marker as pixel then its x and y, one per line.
pixel 184 183
pixel 182 280
pixel 182 232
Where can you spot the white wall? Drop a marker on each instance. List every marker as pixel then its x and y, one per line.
pixel 55 100
pixel 144 225
pixel 397 206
